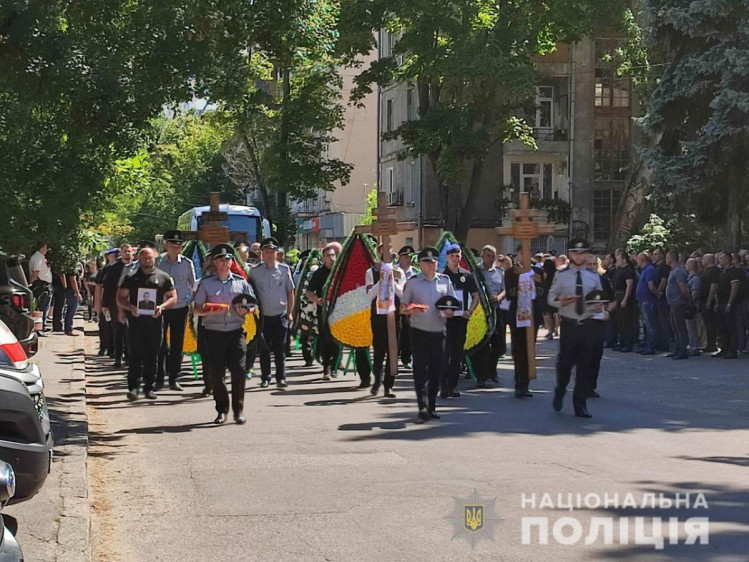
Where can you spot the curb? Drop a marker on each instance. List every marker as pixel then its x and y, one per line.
pixel 74 529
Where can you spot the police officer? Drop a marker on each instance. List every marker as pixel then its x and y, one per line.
pixel 182 272
pixel 427 328
pixel 275 290
pixel 327 348
pixel 578 332
pixel 464 284
pixel 144 324
pixel 223 332
pixel 405 265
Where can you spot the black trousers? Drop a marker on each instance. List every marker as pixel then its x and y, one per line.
pixel 730 324
pixel 664 319
pixel 578 347
pixel 170 356
pixel 204 356
pixel 327 347
pixel 380 349
pixel 599 339
pixel 227 350
pixel 710 319
pixel 404 340
pixel 275 332
pixel 105 336
pixel 679 327
pixel 120 339
pixel 454 343
pixel 58 302
pixel 143 353
pixel 627 321
pixel 363 368
pixel 519 346
pixel 485 359
pixel 428 350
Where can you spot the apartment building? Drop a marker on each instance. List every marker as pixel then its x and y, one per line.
pixel 582 126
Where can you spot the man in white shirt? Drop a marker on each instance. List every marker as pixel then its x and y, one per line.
pixel 40 279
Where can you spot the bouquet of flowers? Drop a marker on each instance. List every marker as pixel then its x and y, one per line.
pixel 346 307
pixel 481 324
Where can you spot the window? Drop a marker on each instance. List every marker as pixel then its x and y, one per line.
pixel 611 90
pixel 410 107
pixel 605 205
pixel 389 180
pixel 389 117
pixel 536 179
pixel 545 107
pixel 610 149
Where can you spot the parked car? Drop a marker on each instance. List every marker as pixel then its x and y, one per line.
pixel 10 551
pixel 15 303
pixel 25 434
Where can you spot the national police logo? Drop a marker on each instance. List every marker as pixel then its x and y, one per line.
pixel 474 518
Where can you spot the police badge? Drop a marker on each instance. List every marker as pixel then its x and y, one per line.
pixel 473 518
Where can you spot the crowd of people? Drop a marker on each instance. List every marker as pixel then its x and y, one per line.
pixel 659 301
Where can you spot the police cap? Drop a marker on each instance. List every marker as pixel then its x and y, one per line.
pixel 578 245
pixel 270 242
pixel 447 302
pixel 596 296
pixel 222 251
pixel 429 254
pixel 406 251
pixel 174 236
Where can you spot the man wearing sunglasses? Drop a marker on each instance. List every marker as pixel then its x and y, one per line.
pixel 182 272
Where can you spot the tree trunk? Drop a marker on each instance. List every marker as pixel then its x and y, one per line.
pixel 262 188
pixel 468 210
pixel 735 202
pixel 632 202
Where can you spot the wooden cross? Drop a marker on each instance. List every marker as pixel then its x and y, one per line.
pixel 525 229
pixel 384 225
pixel 211 231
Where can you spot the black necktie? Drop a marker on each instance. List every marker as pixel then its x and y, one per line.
pixel 579 292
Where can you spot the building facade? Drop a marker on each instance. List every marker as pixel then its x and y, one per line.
pixel 582 126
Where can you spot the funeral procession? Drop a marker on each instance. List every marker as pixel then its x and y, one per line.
pixel 356 280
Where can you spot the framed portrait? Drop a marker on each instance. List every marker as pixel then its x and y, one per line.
pixel 146 302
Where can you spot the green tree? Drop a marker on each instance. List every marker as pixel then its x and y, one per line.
pixel 472 63
pixel 371 206
pixel 697 121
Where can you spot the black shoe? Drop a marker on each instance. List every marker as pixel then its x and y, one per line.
pixel 672 355
pixel 558 397
pixel 264 384
pixel 220 419
pixel 118 364
pixel 364 384
pixel 444 395
pixel 627 349
pixel 582 412
pixel 709 349
pixel 240 419
pixel 309 363
pixel 733 355
pixel 522 393
pixel 455 394
pixel 681 356
pixel 151 395
pixel 206 392
pixel 132 395
pixel 481 384
pixel 648 353
pixel 375 389
pixel 282 384
pixel 495 379
pixel 720 353
pixel 158 386
pixel 389 393
pixel 433 415
pixel 176 386
pixel 423 414
pixel 594 394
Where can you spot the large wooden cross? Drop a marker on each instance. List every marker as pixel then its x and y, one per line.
pixel 211 231
pixel 385 225
pixel 525 229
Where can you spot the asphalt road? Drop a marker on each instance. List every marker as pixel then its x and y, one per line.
pixel 323 471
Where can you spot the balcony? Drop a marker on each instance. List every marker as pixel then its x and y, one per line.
pixel 550 134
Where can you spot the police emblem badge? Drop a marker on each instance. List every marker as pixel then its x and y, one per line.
pixel 473 518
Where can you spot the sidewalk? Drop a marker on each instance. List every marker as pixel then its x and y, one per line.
pixel 54 525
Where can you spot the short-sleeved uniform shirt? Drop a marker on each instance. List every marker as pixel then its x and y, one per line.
pixel 729 276
pixel 709 276
pixel 419 290
pixel 157 282
pixel 464 284
pixel 649 273
pixel 673 293
pixel 213 290
pixel 623 274
pixel 273 285
pixel 110 281
pixel 663 272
